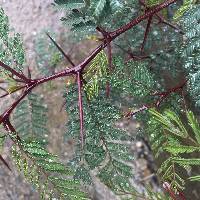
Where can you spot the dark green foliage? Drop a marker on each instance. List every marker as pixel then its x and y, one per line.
pixel 137 79
pixel 30 118
pixel 191 50
pixel 12 52
pixel 83 16
pixel 102 148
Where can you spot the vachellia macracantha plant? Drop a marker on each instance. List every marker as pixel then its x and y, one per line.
pixel 95 84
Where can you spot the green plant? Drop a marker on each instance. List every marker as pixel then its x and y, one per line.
pixel 177 140
pixel 142 61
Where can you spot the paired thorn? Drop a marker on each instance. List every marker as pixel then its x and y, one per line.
pixel 14 72
pixel 161 20
pixel 146 32
pixel 61 50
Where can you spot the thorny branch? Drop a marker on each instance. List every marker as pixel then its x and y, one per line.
pixel 61 50
pixel 75 70
pixel 161 20
pixel 162 96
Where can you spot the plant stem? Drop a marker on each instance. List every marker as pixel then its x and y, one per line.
pixel 80 104
pixel 136 21
pixel 14 72
pixel 146 32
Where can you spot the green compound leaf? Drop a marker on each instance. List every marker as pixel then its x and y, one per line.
pixel 188 162
pixel 94 75
pixel 194 125
pixel 195 178
pixel 40 167
pixel 96 156
pixel 30 117
pixel 171 122
pixel 187 4
pixel 181 149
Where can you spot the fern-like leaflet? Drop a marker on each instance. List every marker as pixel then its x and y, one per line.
pixel 191 50
pixel 95 73
pixel 42 169
pixel 173 134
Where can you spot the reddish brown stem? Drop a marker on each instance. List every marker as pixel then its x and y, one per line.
pixel 5 163
pixel 14 72
pixel 61 50
pixel 113 35
pixel 5 116
pixel 166 186
pixel 171 193
pixel 164 95
pixel 182 196
pixel 80 104
pixel 146 32
pixel 162 20
pixel 149 13
pixel 8 127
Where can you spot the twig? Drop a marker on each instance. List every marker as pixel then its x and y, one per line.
pixel 5 163
pixel 164 95
pixel 14 72
pixel 131 114
pixel 150 12
pixel 146 32
pixel 164 21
